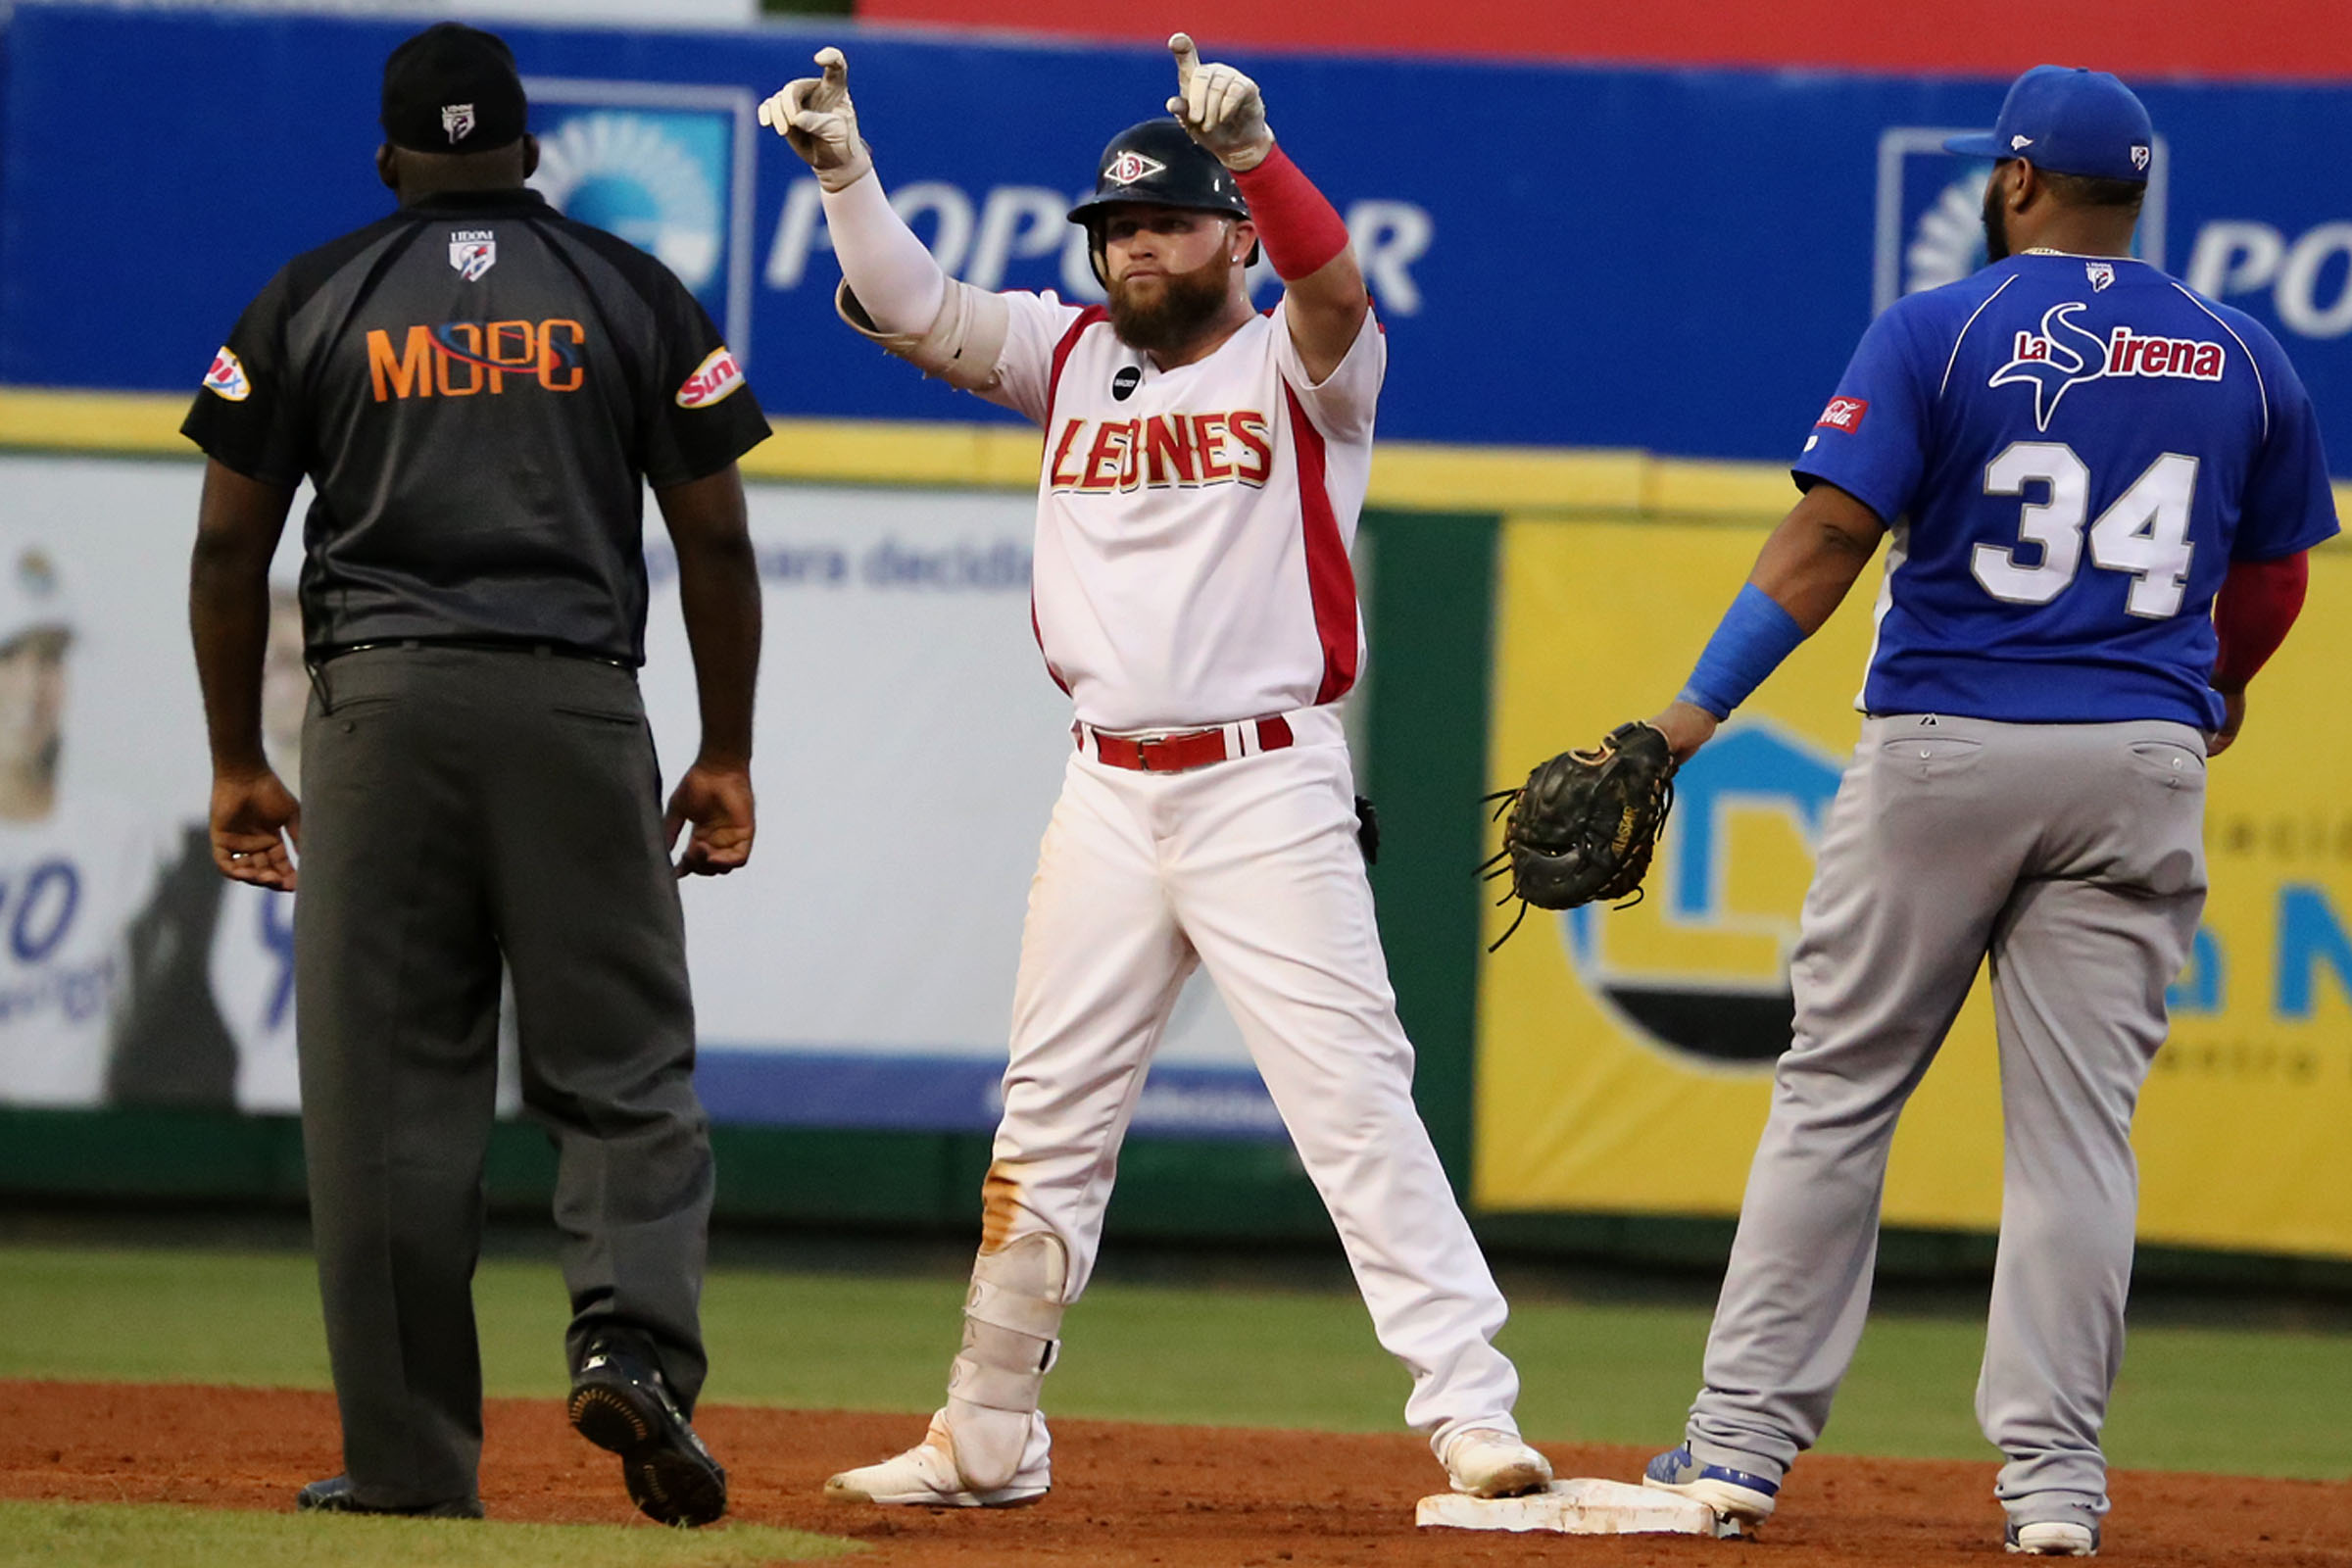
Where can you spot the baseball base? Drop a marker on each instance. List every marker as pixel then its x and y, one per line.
pixel 1578 1507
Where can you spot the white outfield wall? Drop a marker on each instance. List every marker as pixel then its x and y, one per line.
pixel 857 974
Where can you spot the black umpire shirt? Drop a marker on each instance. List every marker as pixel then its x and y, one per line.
pixel 477 386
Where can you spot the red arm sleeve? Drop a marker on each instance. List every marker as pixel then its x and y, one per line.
pixel 2258 601
pixel 1295 222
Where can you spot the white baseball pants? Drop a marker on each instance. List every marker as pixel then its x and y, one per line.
pixel 1251 867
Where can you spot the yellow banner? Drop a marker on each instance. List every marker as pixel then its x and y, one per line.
pixel 1625 1056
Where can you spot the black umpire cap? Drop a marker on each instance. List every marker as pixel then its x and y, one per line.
pixel 453 89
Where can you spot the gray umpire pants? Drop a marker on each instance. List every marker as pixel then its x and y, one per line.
pixel 460 804
pixel 2072 857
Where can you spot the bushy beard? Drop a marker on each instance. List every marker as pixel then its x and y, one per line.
pixel 1997 223
pixel 1175 315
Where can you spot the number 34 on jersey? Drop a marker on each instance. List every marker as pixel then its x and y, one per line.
pixel 2143 534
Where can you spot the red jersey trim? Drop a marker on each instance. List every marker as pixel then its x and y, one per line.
pixel 1330 578
pixel 1061 354
pixel 1039 632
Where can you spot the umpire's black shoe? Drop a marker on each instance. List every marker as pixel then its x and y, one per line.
pixel 619 1401
pixel 337 1495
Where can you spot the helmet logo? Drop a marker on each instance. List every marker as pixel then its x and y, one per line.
pixel 1131 166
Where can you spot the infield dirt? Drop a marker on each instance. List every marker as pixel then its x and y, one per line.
pixel 1124 1494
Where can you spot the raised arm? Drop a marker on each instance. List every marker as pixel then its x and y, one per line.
pixel 892 289
pixel 1304 239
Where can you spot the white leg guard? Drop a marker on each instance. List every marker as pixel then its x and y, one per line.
pixel 1012 1320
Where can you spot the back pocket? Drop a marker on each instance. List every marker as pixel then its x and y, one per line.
pixel 1930 755
pixel 2170 764
pixel 601 715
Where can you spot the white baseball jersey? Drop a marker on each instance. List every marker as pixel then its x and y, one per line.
pixel 1193 525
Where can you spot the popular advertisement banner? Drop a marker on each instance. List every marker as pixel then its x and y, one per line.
pixel 858 974
pixel 1677 260
pixel 1625 1056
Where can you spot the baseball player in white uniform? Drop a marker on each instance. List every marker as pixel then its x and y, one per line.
pixel 1203 468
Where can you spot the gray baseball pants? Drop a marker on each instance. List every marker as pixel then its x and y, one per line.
pixel 458 804
pixel 2072 856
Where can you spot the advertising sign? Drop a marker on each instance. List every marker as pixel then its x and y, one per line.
pixel 855 974
pixel 1625 1055
pixel 1672 261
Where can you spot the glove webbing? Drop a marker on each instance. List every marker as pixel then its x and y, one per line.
pixel 1499 864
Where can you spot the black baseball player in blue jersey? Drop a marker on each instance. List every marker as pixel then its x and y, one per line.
pixel 2098 487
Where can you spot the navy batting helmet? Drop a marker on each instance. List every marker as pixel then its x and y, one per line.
pixel 1157 164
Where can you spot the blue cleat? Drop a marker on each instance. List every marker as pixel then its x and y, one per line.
pixel 1732 1494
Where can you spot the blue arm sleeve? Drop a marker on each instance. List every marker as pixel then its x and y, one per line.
pixel 1755 635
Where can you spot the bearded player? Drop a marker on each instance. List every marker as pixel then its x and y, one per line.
pixel 1203 468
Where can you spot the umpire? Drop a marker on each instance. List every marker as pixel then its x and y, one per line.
pixel 480 390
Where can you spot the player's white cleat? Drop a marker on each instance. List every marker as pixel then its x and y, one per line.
pixel 2054 1538
pixel 925 1474
pixel 1485 1462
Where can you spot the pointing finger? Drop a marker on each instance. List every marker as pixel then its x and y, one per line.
pixel 836 68
pixel 1188 58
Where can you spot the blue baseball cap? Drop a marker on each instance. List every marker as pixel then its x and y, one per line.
pixel 2069 121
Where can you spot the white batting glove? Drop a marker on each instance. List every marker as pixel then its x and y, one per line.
pixel 1219 108
pixel 816 115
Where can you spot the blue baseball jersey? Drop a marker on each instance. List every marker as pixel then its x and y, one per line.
pixel 2069 452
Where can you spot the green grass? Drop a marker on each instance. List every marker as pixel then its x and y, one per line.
pixel 2191 1398
pixel 132 1536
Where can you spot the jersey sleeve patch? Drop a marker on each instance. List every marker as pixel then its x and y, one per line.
pixel 717 376
pixel 227 377
pixel 1844 414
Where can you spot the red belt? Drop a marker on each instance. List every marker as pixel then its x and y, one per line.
pixel 1185 750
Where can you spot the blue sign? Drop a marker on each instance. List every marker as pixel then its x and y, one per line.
pixel 667 168
pixel 1678 261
